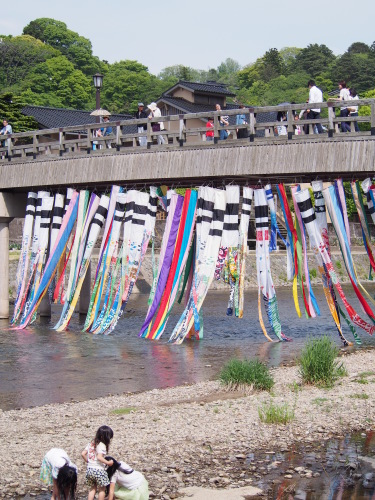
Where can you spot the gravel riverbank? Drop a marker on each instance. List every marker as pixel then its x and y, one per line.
pixel 186 436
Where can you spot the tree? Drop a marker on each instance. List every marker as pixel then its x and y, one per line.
pixel 56 82
pixel 75 47
pixel 315 59
pixel 18 55
pixel 359 48
pixel 227 71
pixel 127 83
pixel 181 72
pixel 358 69
pixel 272 65
pixel 10 108
pixel 288 55
pixel 250 74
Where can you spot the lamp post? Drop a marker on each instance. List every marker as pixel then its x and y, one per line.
pixel 98 83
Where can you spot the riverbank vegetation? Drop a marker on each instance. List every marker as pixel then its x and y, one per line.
pixel 242 374
pixel 318 363
pixel 51 65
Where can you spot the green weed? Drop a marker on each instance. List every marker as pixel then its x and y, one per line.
pixel 243 373
pixel 359 396
pixel 319 401
pixel 318 364
pixel 271 413
pixel 123 411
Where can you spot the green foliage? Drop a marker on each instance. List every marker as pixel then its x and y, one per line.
pixel 361 395
pixel 127 83
pixel 315 59
pixel 56 82
pixel 75 47
pixel 123 411
pixel 318 364
pixel 18 54
pixel 313 273
pixel 271 413
pixel 10 108
pixel 237 373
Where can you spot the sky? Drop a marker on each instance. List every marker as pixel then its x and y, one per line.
pixel 196 33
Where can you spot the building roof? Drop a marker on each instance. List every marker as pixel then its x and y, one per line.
pixel 58 117
pixel 214 88
pixel 190 107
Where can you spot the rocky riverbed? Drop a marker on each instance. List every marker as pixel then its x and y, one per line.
pixel 195 435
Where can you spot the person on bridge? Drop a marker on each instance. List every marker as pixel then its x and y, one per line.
pixel 224 121
pixel 141 113
pixel 106 131
pixel 315 95
pixel 210 130
pixel 353 110
pixel 344 96
pixel 241 120
pixel 156 127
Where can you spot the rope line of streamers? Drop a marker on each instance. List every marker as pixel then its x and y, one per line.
pixel 205 238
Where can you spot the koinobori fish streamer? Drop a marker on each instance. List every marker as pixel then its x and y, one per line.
pixel 266 289
pixel 227 264
pixel 204 237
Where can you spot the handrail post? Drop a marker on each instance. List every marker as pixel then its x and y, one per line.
pixel 331 116
pixel 252 122
pixel 61 141
pixel 216 129
pixel 10 147
pixel 182 136
pixel 290 124
pixel 35 146
pixel 118 136
pixel 88 145
pixel 149 137
pixel 373 118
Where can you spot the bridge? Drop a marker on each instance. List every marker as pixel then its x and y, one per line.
pixel 67 157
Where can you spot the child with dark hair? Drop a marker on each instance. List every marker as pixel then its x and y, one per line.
pixel 126 483
pixel 57 470
pixel 94 453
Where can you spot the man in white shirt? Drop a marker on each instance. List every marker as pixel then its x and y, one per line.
pixel 315 95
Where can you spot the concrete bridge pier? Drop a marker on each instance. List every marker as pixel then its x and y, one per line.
pixel 44 308
pixel 4 268
pixel 11 206
pixel 84 298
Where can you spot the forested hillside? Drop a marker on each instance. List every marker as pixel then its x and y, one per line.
pixel 50 65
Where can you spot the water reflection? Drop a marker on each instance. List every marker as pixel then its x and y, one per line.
pixel 39 365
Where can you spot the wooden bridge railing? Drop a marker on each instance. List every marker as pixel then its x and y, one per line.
pixel 82 139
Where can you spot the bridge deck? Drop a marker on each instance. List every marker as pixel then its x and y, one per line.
pixel 278 160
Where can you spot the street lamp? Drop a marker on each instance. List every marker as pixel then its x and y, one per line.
pixel 98 83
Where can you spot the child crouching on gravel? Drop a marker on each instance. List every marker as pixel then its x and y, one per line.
pixel 94 454
pixel 57 470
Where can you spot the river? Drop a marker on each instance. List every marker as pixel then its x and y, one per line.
pixel 40 366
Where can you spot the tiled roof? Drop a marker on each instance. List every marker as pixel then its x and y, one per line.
pixel 206 88
pixel 190 107
pixel 59 117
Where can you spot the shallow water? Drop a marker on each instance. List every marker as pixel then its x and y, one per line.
pixel 40 366
pixel 346 467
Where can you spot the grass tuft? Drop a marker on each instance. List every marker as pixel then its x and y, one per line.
pixel 271 413
pixel 318 364
pixel 123 411
pixel 242 374
pixel 361 395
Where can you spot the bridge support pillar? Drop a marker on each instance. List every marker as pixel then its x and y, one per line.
pixel 44 308
pixel 4 269
pixel 84 298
